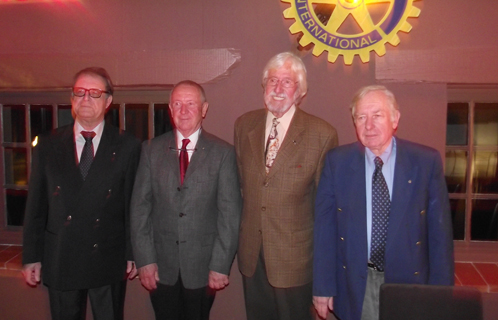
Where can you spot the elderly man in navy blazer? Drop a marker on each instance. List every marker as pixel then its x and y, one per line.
pixel 382 214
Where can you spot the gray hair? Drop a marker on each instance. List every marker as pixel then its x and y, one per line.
pixel 192 84
pixel 297 66
pixel 360 94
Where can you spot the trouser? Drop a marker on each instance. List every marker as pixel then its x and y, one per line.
pixel 265 302
pixel 370 309
pixel 179 303
pixel 107 302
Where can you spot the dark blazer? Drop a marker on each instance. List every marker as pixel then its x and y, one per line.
pixel 79 230
pixel 419 246
pixel 190 228
pixel 278 207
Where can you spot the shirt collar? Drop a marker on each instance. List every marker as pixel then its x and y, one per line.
pixel 194 137
pixel 78 128
pixel 385 156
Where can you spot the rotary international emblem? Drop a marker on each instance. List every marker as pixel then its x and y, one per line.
pixel 350 27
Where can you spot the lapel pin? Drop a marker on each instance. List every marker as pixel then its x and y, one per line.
pixel 409 181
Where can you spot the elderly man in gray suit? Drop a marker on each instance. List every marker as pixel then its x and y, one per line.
pixel 185 211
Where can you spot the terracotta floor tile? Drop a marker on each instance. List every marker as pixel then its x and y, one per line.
pixel 15 263
pixel 8 253
pixel 468 276
pixel 489 272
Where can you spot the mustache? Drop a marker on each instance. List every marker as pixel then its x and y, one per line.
pixel 278 95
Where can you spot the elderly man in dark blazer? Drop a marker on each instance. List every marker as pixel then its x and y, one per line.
pixel 280 152
pixel 77 215
pixel 186 209
pixel 382 214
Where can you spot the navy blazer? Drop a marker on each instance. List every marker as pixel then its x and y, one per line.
pixel 419 246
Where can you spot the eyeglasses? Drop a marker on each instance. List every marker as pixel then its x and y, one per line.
pixel 94 93
pixel 286 82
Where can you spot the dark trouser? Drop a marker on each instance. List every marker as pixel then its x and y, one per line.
pixel 265 302
pixel 179 303
pixel 370 309
pixel 107 302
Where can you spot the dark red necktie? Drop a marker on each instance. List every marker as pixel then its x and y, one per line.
pixel 183 159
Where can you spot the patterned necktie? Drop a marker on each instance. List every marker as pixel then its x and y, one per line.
pixel 381 204
pixel 272 145
pixel 183 159
pixel 86 158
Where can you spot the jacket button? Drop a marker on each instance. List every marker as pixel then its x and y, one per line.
pixel 422 212
pixel 178 189
pixel 339 209
pixel 263 208
pixel 260 232
pixel 182 214
pixel 177 242
pixel 267 184
pixel 342 239
pixel 416 273
pixel 344 267
pixel 418 243
pixel 95 246
pixel 69 218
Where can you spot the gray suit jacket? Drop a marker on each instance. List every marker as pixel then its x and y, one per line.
pixel 190 228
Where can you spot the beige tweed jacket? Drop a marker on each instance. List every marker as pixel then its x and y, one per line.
pixel 278 208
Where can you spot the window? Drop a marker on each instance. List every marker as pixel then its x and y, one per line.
pixel 471 167
pixel 25 115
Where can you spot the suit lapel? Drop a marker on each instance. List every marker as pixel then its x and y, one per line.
pixel 257 143
pixel 66 160
pixel 290 145
pixel 171 157
pixel 405 173
pixel 356 184
pixel 66 152
pixel 104 157
pixel 199 155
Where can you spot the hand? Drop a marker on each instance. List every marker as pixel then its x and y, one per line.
pixel 31 273
pixel 149 276
pixel 131 270
pixel 217 281
pixel 323 305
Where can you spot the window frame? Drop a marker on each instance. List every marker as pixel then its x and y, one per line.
pixel 122 96
pixel 467 249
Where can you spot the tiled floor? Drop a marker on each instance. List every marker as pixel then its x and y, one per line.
pixel 483 276
pixel 10 260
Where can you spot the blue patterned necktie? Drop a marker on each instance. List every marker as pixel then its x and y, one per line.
pixel 86 158
pixel 381 204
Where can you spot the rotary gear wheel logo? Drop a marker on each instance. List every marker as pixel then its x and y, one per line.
pixel 375 22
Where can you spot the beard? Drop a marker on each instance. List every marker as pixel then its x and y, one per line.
pixel 279 106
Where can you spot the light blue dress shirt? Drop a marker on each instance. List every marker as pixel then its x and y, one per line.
pixel 389 159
